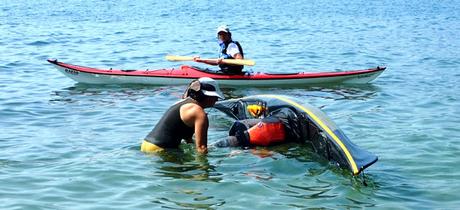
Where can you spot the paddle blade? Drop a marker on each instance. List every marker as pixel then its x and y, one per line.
pixel 226 61
pixel 179 58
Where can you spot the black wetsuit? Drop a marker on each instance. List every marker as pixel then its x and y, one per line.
pixel 170 130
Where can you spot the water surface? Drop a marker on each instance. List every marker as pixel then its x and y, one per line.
pixel 73 146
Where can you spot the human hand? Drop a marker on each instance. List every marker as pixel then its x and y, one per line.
pixel 202 149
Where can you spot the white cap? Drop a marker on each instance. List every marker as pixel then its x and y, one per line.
pixel 209 87
pixel 223 28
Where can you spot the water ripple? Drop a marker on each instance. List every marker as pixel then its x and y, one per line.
pixel 65 143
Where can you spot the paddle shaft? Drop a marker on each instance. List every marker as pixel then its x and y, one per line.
pixel 225 61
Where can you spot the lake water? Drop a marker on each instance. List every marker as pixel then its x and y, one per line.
pixel 65 145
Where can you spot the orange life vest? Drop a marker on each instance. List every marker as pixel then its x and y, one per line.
pixel 267 133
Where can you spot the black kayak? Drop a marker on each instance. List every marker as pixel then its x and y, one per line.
pixel 313 127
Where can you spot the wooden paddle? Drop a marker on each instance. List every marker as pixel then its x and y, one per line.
pixel 226 61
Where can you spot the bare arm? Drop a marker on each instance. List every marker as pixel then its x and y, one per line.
pixel 234 51
pixel 238 56
pixel 201 132
pixel 206 61
pixel 194 116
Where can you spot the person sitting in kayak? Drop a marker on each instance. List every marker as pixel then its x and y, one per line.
pixel 229 49
pixel 185 118
pixel 279 127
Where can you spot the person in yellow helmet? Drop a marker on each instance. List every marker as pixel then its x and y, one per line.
pixel 277 128
pixel 256 110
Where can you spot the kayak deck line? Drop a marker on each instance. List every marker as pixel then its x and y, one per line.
pixel 189 73
pixel 347 153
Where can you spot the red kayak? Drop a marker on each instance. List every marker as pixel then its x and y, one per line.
pixel 185 74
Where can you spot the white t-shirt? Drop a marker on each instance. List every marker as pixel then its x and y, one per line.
pixel 232 49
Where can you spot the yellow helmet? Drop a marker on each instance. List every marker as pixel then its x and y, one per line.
pixel 256 110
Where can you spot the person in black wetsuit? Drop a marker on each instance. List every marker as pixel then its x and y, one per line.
pixel 229 49
pixel 185 118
